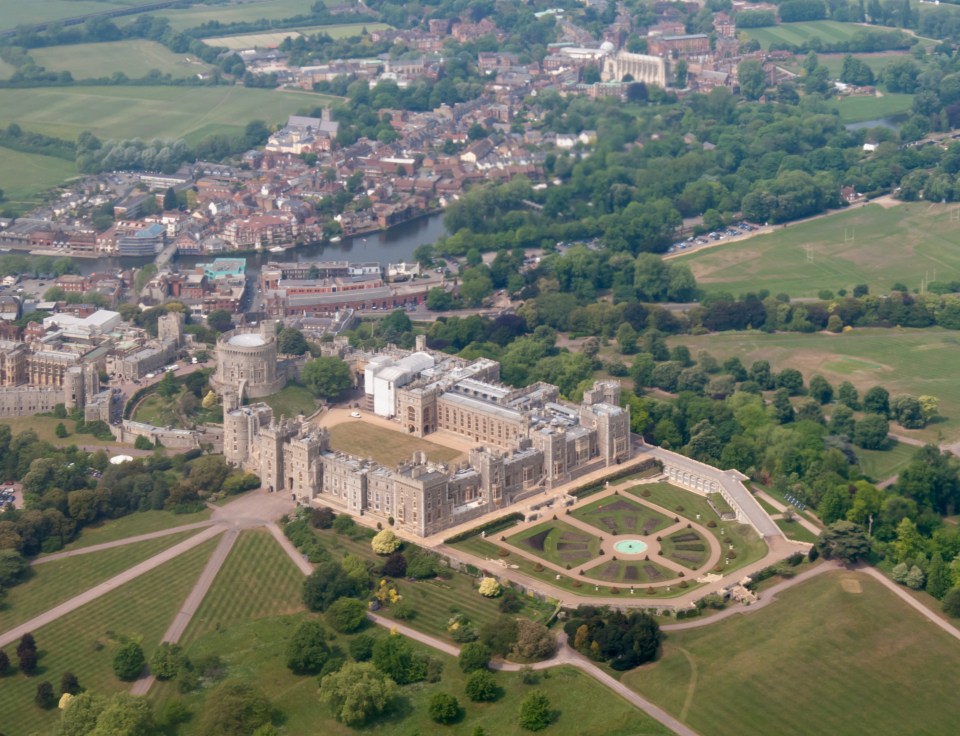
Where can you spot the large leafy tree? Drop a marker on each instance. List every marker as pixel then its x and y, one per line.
pixel 844 541
pixel 357 693
pixel 327 377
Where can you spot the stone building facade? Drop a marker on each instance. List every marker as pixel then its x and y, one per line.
pixel 247 362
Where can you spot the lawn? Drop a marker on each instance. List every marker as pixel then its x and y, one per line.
pixel 630 573
pixel 747 545
pixel 620 515
pixel 859 108
pixel 258 580
pixel 272 39
pixel 834 62
pixel 132 525
pixel 45 427
pixel 24 176
pixel 161 411
pixel 133 58
pixel 829 31
pixel 17 12
pixel 191 113
pixel 881 464
pixel 795 531
pixel 51 583
pixel 255 652
pixel 386 446
pixel 904 361
pixel 686 548
pixel 558 543
pixel 872 245
pixel 837 640
pixel 292 400
pixel 83 641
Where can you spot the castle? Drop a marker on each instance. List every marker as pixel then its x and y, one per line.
pixel 528 441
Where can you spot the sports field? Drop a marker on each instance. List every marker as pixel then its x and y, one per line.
pixel 190 113
pixel 24 176
pixel 273 39
pixel 839 654
pixel 133 58
pixel 859 108
pixel 834 62
pixel 235 12
pixel 829 31
pixel 907 361
pixel 870 244
pixel 17 12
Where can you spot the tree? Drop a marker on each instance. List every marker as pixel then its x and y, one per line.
pixel 627 339
pixel 951 602
pixel 307 650
pixel 361 647
pixel 394 657
pixel 125 715
pixel 4 663
pixel 327 376
pixel 291 341
pixel 938 577
pixel 385 542
pixel 848 396
pixel 907 412
pixel 13 565
pixel 481 687
pixel 142 443
pixel 45 697
pixel 820 389
pixel 69 684
pixel 781 406
pixel 534 640
pixel 395 566
pixel 752 80
pixel 220 320
pixel 444 708
pixel 170 200
pixel 915 578
pixel 871 432
pixel 535 711
pixel 680 74
pixel 473 656
pixel 841 421
pixel 235 709
pixel 27 661
pixel 328 582
pixel 844 541
pixel 357 693
pixel 79 717
pixel 346 615
pixel 321 518
pixel 60 430
pixel 128 661
pixel 489 587
pixel 877 401
pixel 168 386
pixel 790 379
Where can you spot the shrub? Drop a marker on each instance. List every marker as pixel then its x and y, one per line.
pixel 395 566
pixel 308 651
pixel 712 524
pixel 535 711
pixel 322 518
pixel 128 661
pixel 344 524
pixel 346 615
pixel 481 687
pixel 403 610
pixel 503 552
pixel 538 567
pixel 167 661
pixel 489 588
pixel 444 708
pixel 385 542
pixel 45 697
pixel 361 648
pixel 473 656
pixel 69 684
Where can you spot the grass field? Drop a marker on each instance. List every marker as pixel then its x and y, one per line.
pixel 83 641
pixel 45 427
pixel 869 245
pixel 798 665
pixel 132 525
pixel 272 39
pixel 294 399
pixel 51 583
pixel 834 62
pixel 258 580
pixel 191 113
pixel 881 464
pixel 904 361
pixel 796 531
pixel 859 108
pixel 133 58
pixel 829 31
pixel 255 652
pixel 386 446
pixel 16 12
pixel 235 12
pixel 24 176
pixel 558 543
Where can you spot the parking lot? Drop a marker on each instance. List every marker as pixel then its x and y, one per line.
pixel 731 232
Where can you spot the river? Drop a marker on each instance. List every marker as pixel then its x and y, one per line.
pixel 390 246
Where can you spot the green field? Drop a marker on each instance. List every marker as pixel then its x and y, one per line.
pixel 904 361
pixel 869 244
pixel 51 583
pixel 294 399
pixel 558 543
pixel 132 525
pixel 272 39
pixel 859 108
pixel 45 427
pixel 23 176
pixel 83 641
pixel 18 12
pixel 191 113
pixel 255 652
pixel 258 580
pixel 834 62
pixel 796 531
pixel 798 667
pixel 133 58
pixel 386 446
pixel 235 12
pixel 881 464
pixel 829 31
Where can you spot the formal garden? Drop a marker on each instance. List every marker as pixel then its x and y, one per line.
pixel 621 516
pixel 558 543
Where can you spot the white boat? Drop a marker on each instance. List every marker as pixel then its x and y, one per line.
pixel 277 249
pixel 335 239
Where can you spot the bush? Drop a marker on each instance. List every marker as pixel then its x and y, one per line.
pixel 395 566
pixel 404 610
pixel 535 711
pixel 444 708
pixel 481 687
pixel 346 615
pixel 128 661
pixel 142 443
pixel 473 656
pixel 69 684
pixel 45 697
pixel 490 527
pixel 307 650
pixel 322 518
pixel 951 602
pixel 385 542
pixel 344 524
pixel 167 661
pixel 489 588
pixel 421 564
pixel 361 648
